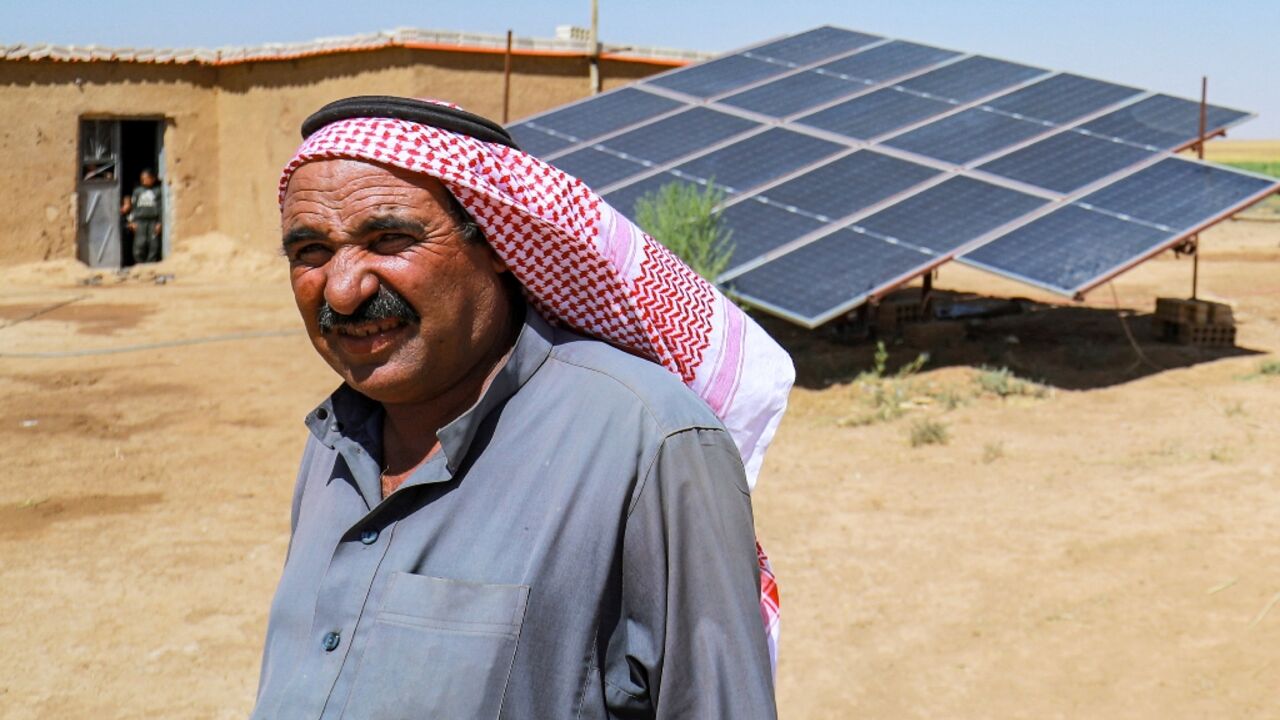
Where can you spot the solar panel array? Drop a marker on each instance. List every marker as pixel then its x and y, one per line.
pixel 853 163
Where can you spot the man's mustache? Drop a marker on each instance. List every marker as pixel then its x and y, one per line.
pixel 386 304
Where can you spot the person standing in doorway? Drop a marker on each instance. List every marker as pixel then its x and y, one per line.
pixel 142 211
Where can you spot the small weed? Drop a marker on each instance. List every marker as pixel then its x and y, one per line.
pixel 884 398
pixel 1222 454
pixel 1269 367
pixel 928 432
pixel 950 398
pixel 992 452
pixel 1001 382
pixel 1235 409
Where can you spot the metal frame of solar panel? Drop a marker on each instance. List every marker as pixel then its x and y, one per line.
pixel 853 163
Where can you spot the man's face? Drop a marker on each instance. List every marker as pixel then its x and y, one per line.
pixel 147 179
pixel 359 237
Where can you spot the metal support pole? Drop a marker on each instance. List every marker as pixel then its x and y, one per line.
pixel 593 56
pixel 1204 115
pixel 926 292
pixel 506 83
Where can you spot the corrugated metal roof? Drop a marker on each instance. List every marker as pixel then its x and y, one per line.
pixel 401 37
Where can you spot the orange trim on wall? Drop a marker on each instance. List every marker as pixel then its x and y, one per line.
pixel 410 45
pixel 446 47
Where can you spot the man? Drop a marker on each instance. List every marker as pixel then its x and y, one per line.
pixel 497 516
pixel 142 211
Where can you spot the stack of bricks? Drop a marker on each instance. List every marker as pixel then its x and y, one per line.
pixel 1194 322
pixel 898 310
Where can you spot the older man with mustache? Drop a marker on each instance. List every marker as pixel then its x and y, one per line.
pixel 529 497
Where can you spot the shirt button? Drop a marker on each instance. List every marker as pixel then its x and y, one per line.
pixel 369 537
pixel 331 641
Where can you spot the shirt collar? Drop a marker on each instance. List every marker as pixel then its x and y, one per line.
pixel 348 414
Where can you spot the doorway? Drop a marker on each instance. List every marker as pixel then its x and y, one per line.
pixel 113 153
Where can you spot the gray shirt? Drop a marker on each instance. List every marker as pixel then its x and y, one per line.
pixel 581 547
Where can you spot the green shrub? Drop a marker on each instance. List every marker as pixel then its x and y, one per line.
pixel 683 217
pixel 1003 383
pixel 928 432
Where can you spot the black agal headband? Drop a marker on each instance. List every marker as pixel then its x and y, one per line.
pixel 418 111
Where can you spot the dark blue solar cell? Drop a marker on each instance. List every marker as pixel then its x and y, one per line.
pixel 875 114
pixel 887 61
pixel 1062 98
pixel 814 45
pixel 849 184
pixel 680 134
pixel 794 93
pixel 757 228
pixel 1178 193
pixel 1066 162
pixel 817 281
pixel 950 214
pixel 1068 249
pixel 971 78
pixel 624 199
pixel 597 168
pixel 967 135
pixel 535 141
pixel 759 159
pixel 1162 121
pixel 718 76
pixel 605 113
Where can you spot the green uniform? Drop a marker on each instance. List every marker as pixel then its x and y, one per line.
pixel 146 214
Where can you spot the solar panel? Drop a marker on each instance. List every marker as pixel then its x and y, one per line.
pixel 1178 194
pixel 1062 98
pixel 597 168
pixel 1162 122
pixel 604 113
pixel 717 76
pixel 537 142
pixel 821 279
pixel 887 61
pixel 794 93
pixel 1066 162
pixel 950 214
pixel 875 114
pixel 849 184
pixel 851 162
pixel 967 136
pixel 756 227
pixel 1066 249
pixel 759 159
pixel 971 78
pixel 813 45
pixel 624 198
pixel 679 135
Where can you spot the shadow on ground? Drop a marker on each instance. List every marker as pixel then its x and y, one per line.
pixel 1071 347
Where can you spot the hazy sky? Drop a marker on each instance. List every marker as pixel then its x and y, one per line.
pixel 1163 45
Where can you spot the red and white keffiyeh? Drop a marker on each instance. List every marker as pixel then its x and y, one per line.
pixel 586 266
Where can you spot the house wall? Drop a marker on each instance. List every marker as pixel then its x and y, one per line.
pixel 262 105
pixel 230 129
pixel 41 104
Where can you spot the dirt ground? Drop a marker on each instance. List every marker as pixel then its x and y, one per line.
pixel 1105 547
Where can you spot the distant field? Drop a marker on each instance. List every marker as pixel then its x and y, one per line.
pixel 1260 156
pixel 1266 168
pixel 1233 152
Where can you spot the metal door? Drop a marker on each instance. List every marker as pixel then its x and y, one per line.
pixel 98 193
pixel 166 204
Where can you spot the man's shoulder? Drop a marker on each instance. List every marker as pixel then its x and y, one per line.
pixel 609 375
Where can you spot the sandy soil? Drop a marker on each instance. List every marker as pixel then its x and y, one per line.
pixel 1105 548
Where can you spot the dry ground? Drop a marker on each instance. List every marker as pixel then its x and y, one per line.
pixel 1106 551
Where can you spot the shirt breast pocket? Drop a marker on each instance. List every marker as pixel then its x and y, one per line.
pixel 438 648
